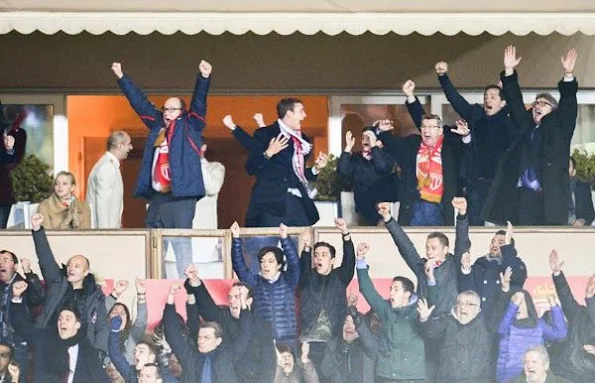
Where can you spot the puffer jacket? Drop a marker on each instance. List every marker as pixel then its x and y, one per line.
pixel 273 301
pixel 517 336
pixel 572 361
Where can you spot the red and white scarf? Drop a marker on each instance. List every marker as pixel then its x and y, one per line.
pixel 301 149
pixel 161 168
pixel 429 171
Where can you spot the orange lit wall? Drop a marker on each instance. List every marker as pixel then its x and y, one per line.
pixel 97 116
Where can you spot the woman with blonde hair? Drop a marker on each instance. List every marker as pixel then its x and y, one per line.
pixel 62 210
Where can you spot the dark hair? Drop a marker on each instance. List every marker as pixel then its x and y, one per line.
pixel 494 86
pixel 126 330
pixel 242 284
pixel 157 368
pixel 281 347
pixel 14 257
pixel 432 117
pixel 215 326
pixel 441 237
pixel 10 348
pixel 73 310
pixel 272 249
pixel 503 232
pixel 406 283
pixel 551 99
pixel 330 247
pixel 286 104
pixel 152 348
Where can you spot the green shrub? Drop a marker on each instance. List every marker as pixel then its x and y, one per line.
pixel 31 180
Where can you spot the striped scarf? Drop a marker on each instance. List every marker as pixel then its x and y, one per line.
pixel 429 171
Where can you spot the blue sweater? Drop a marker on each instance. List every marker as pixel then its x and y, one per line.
pixel 274 302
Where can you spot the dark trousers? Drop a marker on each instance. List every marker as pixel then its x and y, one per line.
pixel 427 214
pixel 531 208
pixel 168 212
pixel 4 214
pixel 477 193
pixel 295 214
pixel 21 358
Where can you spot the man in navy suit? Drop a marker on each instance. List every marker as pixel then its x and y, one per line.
pixel 283 193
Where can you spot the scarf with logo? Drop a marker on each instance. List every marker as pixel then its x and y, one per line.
pixel 162 171
pixel 429 171
pixel 301 149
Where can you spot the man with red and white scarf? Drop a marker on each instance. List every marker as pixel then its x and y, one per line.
pixel 282 192
pixel 429 165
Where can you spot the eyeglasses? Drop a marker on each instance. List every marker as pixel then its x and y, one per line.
pixel 541 103
pixel 171 110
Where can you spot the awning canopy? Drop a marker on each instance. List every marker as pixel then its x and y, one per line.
pixel 355 17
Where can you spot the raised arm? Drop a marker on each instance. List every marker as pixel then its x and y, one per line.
pixel 344 167
pixel 140 323
pixel 512 90
pixel 50 271
pixel 292 274
pixel 35 294
pixel 173 330
pixel 458 102
pixel 369 341
pixel 500 303
pixel 306 261
pixel 115 352
pixel 462 241
pixel 569 304
pixel 404 245
pixel 366 287
pixel 147 112
pixel 240 134
pixel 559 329
pixel 21 322
pixel 237 258
pixel 347 268
pixel 568 86
pixel 198 105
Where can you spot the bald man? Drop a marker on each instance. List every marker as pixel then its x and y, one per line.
pixel 74 286
pixel 170 176
pixel 105 189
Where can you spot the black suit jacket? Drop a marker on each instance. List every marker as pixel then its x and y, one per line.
pixel 273 177
pixel 583 203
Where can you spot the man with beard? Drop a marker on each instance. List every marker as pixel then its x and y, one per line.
pixel 350 358
pixel 575 358
pixel 490 131
pixel 323 291
pixel 258 364
pixel 105 189
pixel 464 337
pixel 65 355
pixel 531 184
pixel 370 171
pixel 483 276
pixel 34 297
pixel 73 286
pixel 429 166
pixel 401 347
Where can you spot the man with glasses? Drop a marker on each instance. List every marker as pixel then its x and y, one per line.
pixel 531 185
pixel 170 176
pixel 429 166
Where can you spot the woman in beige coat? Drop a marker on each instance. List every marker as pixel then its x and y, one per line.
pixel 62 210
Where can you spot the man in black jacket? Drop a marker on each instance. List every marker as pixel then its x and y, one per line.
pixel 580 205
pixel 282 192
pixel 350 358
pixel 212 361
pixel 490 132
pixel 34 297
pixel 370 172
pixel 483 276
pixel 531 184
pixel 429 166
pixel 575 357
pixel 62 351
pixel 258 364
pixel 323 291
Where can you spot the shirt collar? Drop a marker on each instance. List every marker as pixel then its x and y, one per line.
pixel 113 159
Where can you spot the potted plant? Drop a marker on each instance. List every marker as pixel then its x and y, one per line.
pixel 31 183
pixel 328 185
